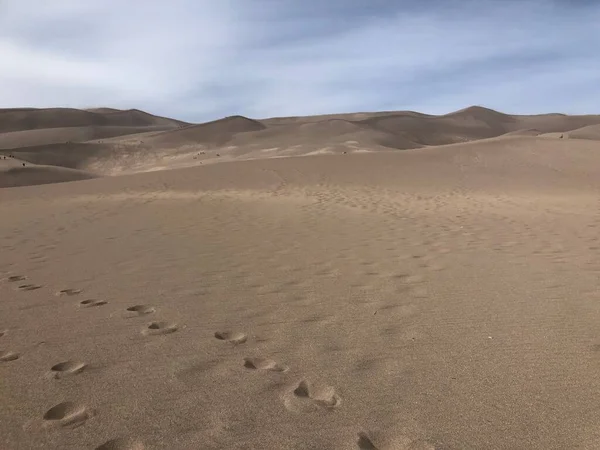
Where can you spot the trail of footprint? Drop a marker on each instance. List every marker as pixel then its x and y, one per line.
pixel 122 444
pixel 306 398
pixel 67 368
pixel 67 414
pixel 91 303
pixel 235 337
pixel 8 356
pixel 69 292
pixel 142 310
pixel 160 327
pixel 264 364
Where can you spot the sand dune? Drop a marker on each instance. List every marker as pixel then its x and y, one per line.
pixel 45 136
pixel 72 155
pixel 443 297
pixel 590 132
pixel 106 141
pixel 35 119
pixel 59 136
pixel 30 175
pixel 304 137
pixel 215 133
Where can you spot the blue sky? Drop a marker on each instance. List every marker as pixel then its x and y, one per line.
pixel 198 60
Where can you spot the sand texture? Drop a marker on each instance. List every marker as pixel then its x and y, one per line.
pixel 444 296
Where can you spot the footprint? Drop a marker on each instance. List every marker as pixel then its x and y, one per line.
pixel 67 414
pixel 264 364
pixel 142 310
pixel 306 398
pixel 364 443
pixel 122 444
pixel 412 279
pixel 161 327
pixel 419 293
pixel 90 303
pixel 29 287
pixel 235 337
pixel 435 267
pixel 69 292
pixel 3 333
pixel 8 356
pixel 14 278
pixel 67 368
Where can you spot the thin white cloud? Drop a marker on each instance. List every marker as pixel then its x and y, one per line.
pixel 119 53
pixel 200 59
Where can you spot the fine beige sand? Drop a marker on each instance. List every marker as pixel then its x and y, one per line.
pixel 442 296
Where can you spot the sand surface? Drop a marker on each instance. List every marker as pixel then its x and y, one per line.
pixel 434 298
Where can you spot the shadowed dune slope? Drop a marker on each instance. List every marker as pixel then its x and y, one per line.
pixel 35 119
pixel 31 175
pixel 44 136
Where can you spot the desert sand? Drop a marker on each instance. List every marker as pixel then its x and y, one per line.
pixel 389 281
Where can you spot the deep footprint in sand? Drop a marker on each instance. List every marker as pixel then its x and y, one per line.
pixel 15 278
pixel 235 337
pixel 364 442
pixel 160 327
pixel 122 444
pixel 8 356
pixel 29 287
pixel 67 414
pixel 91 303
pixel 411 279
pixel 367 441
pixel 264 364
pixel 142 310
pixel 306 398
pixel 67 368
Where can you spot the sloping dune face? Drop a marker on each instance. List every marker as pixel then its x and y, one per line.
pixel 441 297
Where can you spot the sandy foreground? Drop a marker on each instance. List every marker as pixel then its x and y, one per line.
pixel 437 298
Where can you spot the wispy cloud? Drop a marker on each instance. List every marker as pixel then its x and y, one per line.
pixel 201 59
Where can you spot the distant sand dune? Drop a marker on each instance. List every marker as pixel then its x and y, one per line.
pixel 35 119
pixel 218 132
pixel 45 136
pixel 107 141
